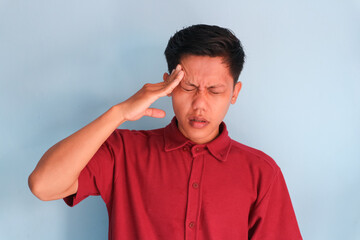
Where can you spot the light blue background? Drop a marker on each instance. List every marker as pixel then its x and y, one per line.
pixel 63 63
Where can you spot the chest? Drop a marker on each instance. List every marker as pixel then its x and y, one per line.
pixel 182 189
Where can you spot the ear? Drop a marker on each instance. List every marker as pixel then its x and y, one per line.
pixel 165 76
pixel 236 91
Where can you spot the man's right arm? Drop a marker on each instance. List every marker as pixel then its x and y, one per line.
pixel 56 174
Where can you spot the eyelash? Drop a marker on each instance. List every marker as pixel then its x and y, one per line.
pixel 189 90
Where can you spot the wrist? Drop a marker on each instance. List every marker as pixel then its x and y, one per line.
pixel 117 113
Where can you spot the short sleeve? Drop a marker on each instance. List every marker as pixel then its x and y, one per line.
pixel 273 217
pixel 97 177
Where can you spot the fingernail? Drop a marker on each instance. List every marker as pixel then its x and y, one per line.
pixel 172 71
pixel 178 67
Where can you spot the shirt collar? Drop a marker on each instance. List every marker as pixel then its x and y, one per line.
pixel 219 147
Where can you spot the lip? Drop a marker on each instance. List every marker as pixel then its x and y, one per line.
pixel 198 122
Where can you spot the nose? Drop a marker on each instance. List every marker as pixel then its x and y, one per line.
pixel 199 102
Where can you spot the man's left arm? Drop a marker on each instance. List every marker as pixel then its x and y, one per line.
pixel 273 216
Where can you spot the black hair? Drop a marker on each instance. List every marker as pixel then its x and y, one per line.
pixel 206 40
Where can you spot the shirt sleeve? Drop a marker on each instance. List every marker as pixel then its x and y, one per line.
pixel 97 177
pixel 273 217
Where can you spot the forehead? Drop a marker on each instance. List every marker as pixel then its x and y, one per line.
pixel 205 70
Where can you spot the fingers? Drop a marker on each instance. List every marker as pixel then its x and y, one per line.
pixel 173 79
pixel 173 75
pixel 139 104
pixel 155 113
pixel 177 73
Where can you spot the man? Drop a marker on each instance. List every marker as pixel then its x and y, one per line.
pixel 188 180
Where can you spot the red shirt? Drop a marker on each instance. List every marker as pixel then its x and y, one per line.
pixel 159 185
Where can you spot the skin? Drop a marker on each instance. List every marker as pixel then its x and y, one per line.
pixel 56 174
pixel 200 103
pixel 203 97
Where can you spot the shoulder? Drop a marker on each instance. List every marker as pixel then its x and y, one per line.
pixel 254 158
pixel 124 144
pixel 138 136
pixel 258 168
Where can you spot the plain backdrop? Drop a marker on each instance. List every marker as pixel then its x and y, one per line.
pixel 63 63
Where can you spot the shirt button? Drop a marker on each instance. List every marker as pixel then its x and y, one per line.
pixel 185 149
pixel 195 185
pixel 197 149
pixel 191 224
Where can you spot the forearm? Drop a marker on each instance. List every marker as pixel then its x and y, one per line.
pixel 57 172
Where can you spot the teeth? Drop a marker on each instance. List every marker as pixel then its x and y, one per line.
pixel 198 120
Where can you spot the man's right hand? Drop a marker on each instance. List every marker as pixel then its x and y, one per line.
pixel 138 105
pixel 56 174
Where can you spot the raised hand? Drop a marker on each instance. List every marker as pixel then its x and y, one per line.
pixel 138 105
pixel 56 175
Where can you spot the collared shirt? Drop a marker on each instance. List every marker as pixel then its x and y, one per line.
pixel 157 184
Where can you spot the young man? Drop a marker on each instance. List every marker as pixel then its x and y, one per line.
pixel 188 180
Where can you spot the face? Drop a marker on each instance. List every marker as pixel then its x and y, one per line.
pixel 203 97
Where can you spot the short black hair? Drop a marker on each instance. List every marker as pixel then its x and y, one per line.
pixel 206 40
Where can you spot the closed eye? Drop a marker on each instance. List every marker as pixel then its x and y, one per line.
pixel 215 90
pixel 188 88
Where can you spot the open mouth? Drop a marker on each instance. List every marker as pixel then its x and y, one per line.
pixel 198 122
pixel 195 120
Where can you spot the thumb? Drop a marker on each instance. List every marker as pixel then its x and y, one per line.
pixel 155 113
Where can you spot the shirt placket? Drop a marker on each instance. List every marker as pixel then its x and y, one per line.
pixel 194 193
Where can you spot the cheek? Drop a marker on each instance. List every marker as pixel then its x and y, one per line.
pixel 180 95
pixel 221 99
pixel 220 104
pixel 178 100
